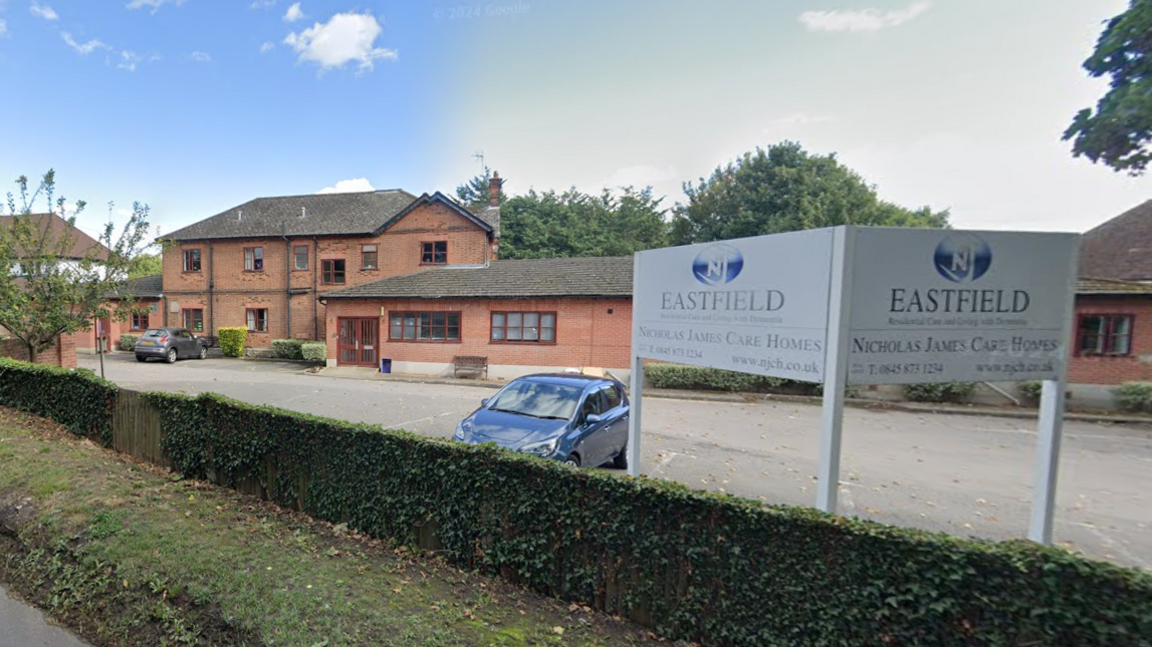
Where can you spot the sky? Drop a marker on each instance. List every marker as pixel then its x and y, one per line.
pixel 196 106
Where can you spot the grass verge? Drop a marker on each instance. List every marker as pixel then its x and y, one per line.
pixel 126 554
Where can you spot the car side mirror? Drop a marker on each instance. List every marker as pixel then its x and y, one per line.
pixel 484 402
pixel 592 419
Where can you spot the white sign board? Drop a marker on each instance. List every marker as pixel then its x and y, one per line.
pixel 944 306
pixel 755 305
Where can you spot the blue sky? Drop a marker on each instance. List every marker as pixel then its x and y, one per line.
pixel 194 106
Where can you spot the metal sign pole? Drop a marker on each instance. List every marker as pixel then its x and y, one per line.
pixel 636 389
pixel 1047 460
pixel 835 367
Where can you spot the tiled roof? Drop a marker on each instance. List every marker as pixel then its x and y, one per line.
pixel 361 213
pixel 549 277
pixel 1120 248
pixel 82 243
pixel 1088 286
pixel 140 287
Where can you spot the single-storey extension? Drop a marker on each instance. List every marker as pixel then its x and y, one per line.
pixel 523 316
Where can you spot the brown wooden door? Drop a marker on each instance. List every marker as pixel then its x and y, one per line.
pixel 358 343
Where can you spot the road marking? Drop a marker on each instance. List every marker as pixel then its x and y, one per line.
pixel 401 425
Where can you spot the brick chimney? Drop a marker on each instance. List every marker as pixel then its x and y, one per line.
pixel 494 185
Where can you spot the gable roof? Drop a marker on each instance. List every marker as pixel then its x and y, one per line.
pixel 320 214
pixel 440 198
pixel 150 286
pixel 1120 248
pixel 546 277
pixel 82 243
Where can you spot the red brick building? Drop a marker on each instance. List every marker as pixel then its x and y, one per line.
pixel 1113 342
pixel 524 316
pixel 266 264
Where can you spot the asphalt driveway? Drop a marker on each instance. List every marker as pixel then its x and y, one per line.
pixel 966 475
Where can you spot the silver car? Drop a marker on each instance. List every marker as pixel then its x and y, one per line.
pixel 170 344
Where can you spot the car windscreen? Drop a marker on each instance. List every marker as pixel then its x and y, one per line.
pixel 156 332
pixel 538 399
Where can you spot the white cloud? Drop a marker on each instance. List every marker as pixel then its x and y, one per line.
pixel 201 57
pixel 128 60
pixel 797 119
pixel 641 176
pixel 84 48
pixel 349 186
pixel 44 11
pixel 862 20
pixel 3 27
pixel 152 4
pixel 294 13
pixel 267 47
pixel 262 4
pixel 346 37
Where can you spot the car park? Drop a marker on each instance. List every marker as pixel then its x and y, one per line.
pixel 170 344
pixel 578 419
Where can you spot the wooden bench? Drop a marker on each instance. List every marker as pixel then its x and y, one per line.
pixel 469 363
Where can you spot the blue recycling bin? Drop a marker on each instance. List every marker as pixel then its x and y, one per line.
pixel 385 366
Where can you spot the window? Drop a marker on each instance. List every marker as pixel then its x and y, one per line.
pixel 253 259
pixel 139 321
pixel 368 255
pixel 424 326
pixel 301 257
pixel 191 260
pixel 194 319
pixel 612 398
pixel 332 271
pixel 524 327
pixel 435 253
pixel 1105 335
pixel 257 319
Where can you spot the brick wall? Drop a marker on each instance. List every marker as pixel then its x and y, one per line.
pixel 62 354
pixel 586 334
pixel 86 339
pixel 235 289
pixel 1137 365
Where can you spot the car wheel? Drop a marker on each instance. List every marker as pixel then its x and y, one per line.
pixel 573 460
pixel 203 353
pixel 171 356
pixel 141 358
pixel 621 460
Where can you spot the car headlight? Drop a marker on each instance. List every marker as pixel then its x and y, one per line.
pixel 459 435
pixel 542 449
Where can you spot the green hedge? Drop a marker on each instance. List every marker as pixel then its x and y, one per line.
pixel 128 342
pixel 1135 397
pixel 695 565
pixel 232 341
pixel 958 392
pixel 287 348
pixel 699 378
pixel 78 400
pixel 314 351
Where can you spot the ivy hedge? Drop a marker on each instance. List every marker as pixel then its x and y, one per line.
pixel 694 565
pixel 78 400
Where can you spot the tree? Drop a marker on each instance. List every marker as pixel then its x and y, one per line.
pixel 144 265
pixel 573 223
pixel 476 192
pixel 45 290
pixel 784 188
pixel 1119 131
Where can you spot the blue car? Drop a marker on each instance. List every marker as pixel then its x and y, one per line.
pixel 578 419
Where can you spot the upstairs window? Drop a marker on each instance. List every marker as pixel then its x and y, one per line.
pixel 253 259
pixel 332 271
pixel 368 257
pixel 434 253
pixel 1105 335
pixel 300 254
pixel 191 260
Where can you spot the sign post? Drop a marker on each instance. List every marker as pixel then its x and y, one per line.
pixel 835 369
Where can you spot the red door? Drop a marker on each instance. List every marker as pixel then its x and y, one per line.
pixel 358 341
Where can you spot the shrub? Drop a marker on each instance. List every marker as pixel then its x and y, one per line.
pixel 940 392
pixel 314 351
pixel 128 342
pixel 1030 392
pixel 232 341
pixel 287 348
pixel 1135 397
pixel 677 376
pixel 77 399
